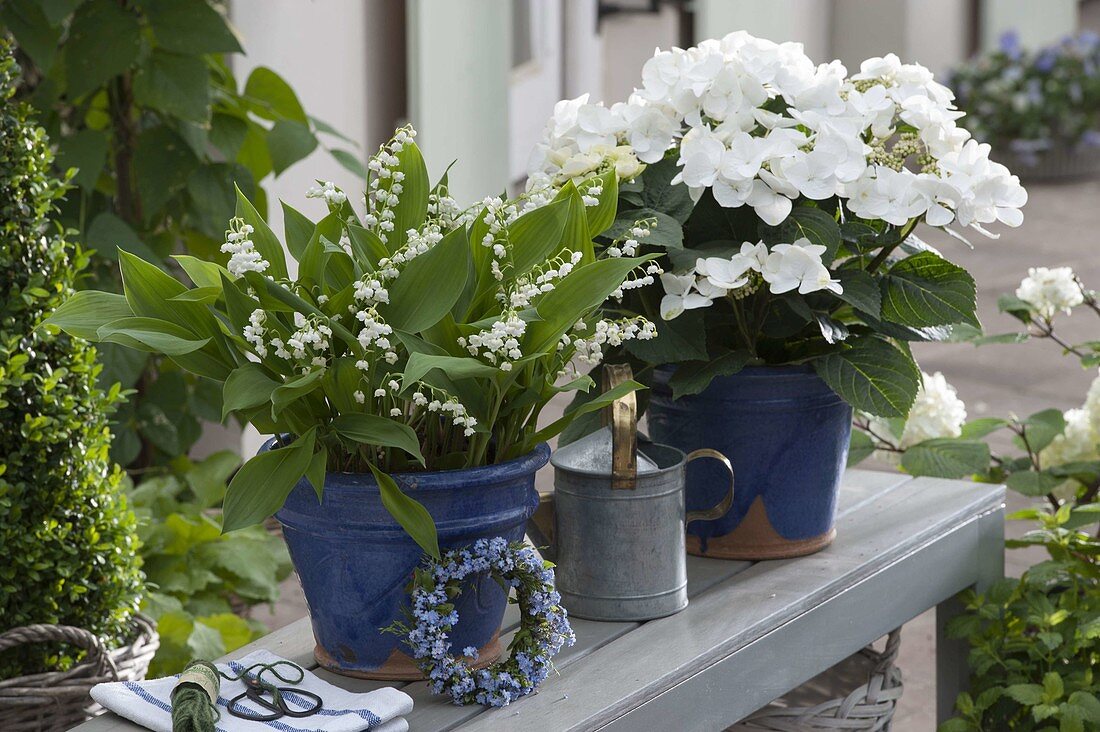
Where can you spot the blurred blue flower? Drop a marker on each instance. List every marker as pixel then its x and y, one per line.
pixel 1010 44
pixel 1046 60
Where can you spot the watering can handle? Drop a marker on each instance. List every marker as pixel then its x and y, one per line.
pixel 718 510
pixel 623 418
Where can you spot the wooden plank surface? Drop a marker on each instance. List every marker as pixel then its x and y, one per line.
pixel 617 667
pixel 748 679
pixel 662 654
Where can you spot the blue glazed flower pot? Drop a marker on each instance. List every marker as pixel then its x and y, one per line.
pixel 354 561
pixel 786 433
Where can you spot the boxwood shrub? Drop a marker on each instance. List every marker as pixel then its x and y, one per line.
pixel 67 537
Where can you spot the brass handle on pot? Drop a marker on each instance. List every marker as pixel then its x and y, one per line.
pixel 718 510
pixel 623 418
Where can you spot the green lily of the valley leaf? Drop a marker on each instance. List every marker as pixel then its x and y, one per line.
pixel 603 400
pixel 370 429
pixel 430 285
pixel 263 238
pixel 261 486
pixel 575 295
pixel 454 367
pixel 86 311
pixel 409 513
pixel 152 335
pixel 246 387
pixel 295 389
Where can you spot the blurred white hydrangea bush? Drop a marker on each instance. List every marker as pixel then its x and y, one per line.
pixel 1057 454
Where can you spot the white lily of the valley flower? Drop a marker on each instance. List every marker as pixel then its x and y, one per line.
pixel 679 295
pixel 798 266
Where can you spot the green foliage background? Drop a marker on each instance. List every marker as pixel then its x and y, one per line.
pixel 68 537
pixel 1034 641
pixel 140 98
pixel 202 583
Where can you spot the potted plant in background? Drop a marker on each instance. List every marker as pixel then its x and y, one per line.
pixel 70 583
pixel 401 373
pixel 1035 640
pixel 1040 109
pixel 784 198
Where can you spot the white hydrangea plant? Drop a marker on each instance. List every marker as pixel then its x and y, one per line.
pixel 1058 456
pixel 784 195
pixel 416 335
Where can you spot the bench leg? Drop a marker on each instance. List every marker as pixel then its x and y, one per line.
pixel 952 671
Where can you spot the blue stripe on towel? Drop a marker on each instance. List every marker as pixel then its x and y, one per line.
pixel 145 696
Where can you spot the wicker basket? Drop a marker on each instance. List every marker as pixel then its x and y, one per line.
pixel 813 707
pixel 58 700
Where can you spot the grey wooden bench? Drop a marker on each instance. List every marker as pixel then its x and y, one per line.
pixel 753 631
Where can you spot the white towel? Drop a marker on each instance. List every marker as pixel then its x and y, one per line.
pixel 149 703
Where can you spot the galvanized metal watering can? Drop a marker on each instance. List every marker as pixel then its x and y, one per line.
pixel 618 532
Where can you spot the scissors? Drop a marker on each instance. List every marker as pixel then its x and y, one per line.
pixel 258 691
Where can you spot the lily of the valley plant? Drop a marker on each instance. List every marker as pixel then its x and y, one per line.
pixel 415 336
pixel 785 196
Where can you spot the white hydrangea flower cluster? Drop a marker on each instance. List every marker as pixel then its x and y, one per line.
pixel 1078 442
pixel 759 124
pixel 308 345
pixel 243 256
pixel 1081 439
pixel 784 268
pixel 580 140
pixel 608 332
pixel 1050 290
pixel 937 412
pixel 327 190
pixel 499 343
pixel 386 183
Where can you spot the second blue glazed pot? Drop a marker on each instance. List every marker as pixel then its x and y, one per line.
pixel 786 433
pixel 354 560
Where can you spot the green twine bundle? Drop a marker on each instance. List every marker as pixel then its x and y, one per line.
pixel 194 698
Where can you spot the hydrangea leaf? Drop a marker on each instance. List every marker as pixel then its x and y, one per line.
pixel 926 290
pixel 873 376
pixel 947 458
